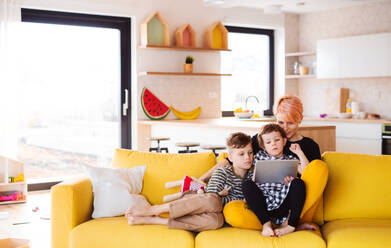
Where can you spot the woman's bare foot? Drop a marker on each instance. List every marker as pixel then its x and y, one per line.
pixel 145 220
pixel 283 230
pixel 267 229
pixel 146 210
pixel 306 226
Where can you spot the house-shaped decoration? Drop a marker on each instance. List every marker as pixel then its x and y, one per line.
pixel 154 31
pixel 185 36
pixel 216 36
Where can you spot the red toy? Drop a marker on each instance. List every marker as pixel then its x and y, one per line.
pixel 187 184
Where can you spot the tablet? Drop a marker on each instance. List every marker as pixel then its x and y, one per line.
pixel 274 171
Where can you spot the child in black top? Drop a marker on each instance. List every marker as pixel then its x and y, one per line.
pixel 279 203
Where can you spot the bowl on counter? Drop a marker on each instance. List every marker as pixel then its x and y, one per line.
pixel 345 115
pixel 244 115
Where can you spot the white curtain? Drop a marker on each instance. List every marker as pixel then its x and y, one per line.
pixel 10 19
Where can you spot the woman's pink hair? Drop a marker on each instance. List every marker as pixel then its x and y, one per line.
pixel 290 107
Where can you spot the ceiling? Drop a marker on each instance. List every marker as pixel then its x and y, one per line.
pixel 292 6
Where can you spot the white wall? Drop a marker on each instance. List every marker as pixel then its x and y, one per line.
pixel 184 93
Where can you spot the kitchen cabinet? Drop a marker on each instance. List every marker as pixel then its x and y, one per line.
pixel 353 57
pixel 328 62
pixel 364 138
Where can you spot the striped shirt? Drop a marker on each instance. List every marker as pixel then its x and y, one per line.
pixel 222 178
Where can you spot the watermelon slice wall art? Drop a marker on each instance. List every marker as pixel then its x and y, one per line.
pixel 152 106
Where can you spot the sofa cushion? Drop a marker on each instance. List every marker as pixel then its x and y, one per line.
pixel 358 186
pixel 162 168
pixel 115 232
pixel 228 237
pixel 357 233
pixel 121 185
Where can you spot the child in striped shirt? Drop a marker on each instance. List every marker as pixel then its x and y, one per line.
pixel 227 180
pixel 200 212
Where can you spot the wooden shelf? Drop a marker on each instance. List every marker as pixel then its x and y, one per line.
pixel 297 54
pixel 196 49
pixel 9 202
pixel 300 76
pixel 145 73
pixel 8 184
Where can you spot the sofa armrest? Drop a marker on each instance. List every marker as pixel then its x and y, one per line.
pixel 71 205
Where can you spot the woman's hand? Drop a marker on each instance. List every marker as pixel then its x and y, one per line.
pixel 296 149
pixel 287 180
pixel 208 174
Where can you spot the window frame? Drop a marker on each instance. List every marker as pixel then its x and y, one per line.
pixel 123 24
pixel 270 34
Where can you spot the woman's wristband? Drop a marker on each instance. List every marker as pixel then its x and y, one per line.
pixel 229 161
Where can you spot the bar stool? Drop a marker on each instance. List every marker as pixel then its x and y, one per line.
pixel 213 148
pixel 158 149
pixel 187 145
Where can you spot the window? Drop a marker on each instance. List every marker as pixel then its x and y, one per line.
pixel 75 70
pixel 252 65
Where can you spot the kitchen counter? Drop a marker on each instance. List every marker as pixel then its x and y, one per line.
pixel 232 121
pixel 202 130
pixel 226 122
pixel 349 120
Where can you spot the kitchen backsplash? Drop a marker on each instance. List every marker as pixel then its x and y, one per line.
pixel 373 94
pixel 185 94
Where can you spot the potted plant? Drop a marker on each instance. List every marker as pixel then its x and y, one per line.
pixel 188 66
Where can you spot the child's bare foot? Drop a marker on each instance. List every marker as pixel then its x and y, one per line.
pixel 267 229
pixel 140 220
pixel 143 211
pixel 283 230
pixel 306 226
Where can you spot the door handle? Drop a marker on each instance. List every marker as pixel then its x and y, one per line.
pixel 125 105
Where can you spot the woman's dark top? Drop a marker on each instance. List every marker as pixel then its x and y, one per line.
pixel 308 145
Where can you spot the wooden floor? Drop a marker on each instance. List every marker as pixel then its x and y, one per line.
pixel 24 223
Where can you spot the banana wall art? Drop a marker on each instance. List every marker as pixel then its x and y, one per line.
pixel 186 115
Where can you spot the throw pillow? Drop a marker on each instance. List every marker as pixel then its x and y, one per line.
pixel 116 189
pixel 238 215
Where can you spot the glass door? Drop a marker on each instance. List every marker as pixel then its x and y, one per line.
pixel 71 97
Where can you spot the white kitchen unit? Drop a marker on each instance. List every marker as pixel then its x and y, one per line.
pixel 364 138
pixel 327 58
pixel 356 56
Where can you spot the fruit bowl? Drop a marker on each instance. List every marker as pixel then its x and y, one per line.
pixel 244 115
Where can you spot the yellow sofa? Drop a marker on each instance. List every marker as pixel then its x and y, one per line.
pixel 356 208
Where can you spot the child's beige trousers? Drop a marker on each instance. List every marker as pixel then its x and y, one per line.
pixel 196 212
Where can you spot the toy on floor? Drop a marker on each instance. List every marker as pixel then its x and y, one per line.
pixel 187 184
pixel 19 178
pixel 12 196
